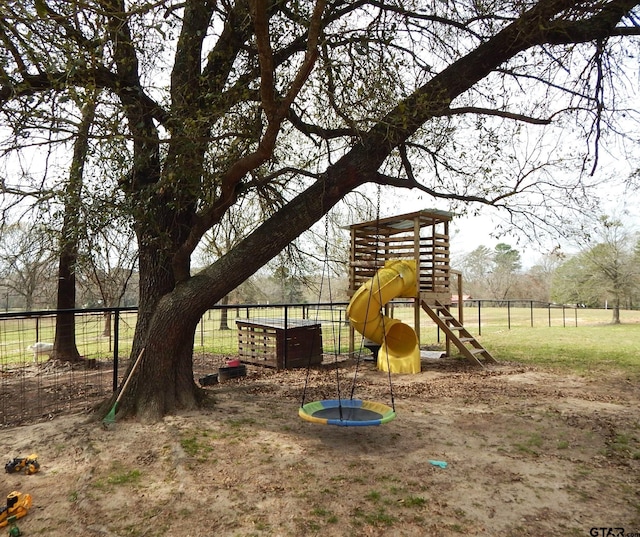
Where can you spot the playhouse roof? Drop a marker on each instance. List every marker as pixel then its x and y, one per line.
pixel 404 222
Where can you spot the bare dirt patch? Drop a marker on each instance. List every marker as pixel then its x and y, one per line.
pixel 528 452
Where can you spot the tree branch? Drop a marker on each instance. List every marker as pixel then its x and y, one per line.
pixel 498 113
pixel 309 129
pixel 265 57
pixel 185 77
pixel 599 26
pixel 276 114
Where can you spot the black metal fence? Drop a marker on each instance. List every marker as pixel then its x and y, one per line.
pixel 512 313
pixel 33 387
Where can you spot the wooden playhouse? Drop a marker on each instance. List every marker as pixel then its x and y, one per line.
pixel 421 236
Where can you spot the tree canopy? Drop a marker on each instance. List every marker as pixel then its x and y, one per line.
pixel 202 104
pixel 606 271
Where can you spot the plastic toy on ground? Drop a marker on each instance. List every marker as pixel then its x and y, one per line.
pixel 18 505
pixel 29 465
pixel 14 530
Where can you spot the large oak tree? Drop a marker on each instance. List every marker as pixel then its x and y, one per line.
pixel 298 104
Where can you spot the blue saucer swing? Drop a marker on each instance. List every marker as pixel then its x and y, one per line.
pixel 344 412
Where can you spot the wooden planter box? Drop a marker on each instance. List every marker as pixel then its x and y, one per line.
pixel 269 343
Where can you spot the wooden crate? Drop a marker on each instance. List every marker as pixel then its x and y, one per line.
pixel 269 343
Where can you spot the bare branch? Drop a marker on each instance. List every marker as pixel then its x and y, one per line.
pixel 497 113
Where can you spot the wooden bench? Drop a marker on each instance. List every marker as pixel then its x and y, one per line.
pixel 271 343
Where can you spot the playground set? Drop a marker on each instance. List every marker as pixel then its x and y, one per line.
pixel 408 257
pixel 402 257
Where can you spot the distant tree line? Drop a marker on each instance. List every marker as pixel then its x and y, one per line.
pixel 29 262
pixel 605 272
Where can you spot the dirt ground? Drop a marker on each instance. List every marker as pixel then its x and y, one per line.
pixel 527 452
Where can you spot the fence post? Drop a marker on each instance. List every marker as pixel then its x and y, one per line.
pixel 479 319
pixel 116 347
pixel 508 315
pixel 564 323
pixel 339 330
pixel 531 304
pixel 549 307
pixel 286 320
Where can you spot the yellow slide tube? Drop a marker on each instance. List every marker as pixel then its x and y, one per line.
pixel 399 351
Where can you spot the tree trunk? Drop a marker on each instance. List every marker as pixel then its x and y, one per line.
pixel 616 311
pixel 224 314
pixel 163 382
pixel 64 346
pixel 106 331
pixel 616 315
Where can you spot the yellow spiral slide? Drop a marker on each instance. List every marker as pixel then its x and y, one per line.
pixel 400 350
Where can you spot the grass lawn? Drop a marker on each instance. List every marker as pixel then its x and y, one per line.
pixel 582 349
pixel 579 340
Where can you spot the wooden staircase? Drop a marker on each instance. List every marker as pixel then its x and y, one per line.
pixel 468 345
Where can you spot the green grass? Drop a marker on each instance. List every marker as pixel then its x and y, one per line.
pixel 192 446
pixel 124 478
pixel 582 349
pixel 593 346
pixel 118 476
pixel 378 518
pixel 554 340
pixel 414 501
pixel 531 445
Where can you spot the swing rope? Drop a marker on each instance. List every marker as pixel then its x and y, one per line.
pixel 377 277
pixel 350 412
pixel 324 273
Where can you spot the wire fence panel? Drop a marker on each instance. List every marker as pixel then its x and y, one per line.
pixel 32 387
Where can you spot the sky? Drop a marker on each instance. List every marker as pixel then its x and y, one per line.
pixel 469 232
